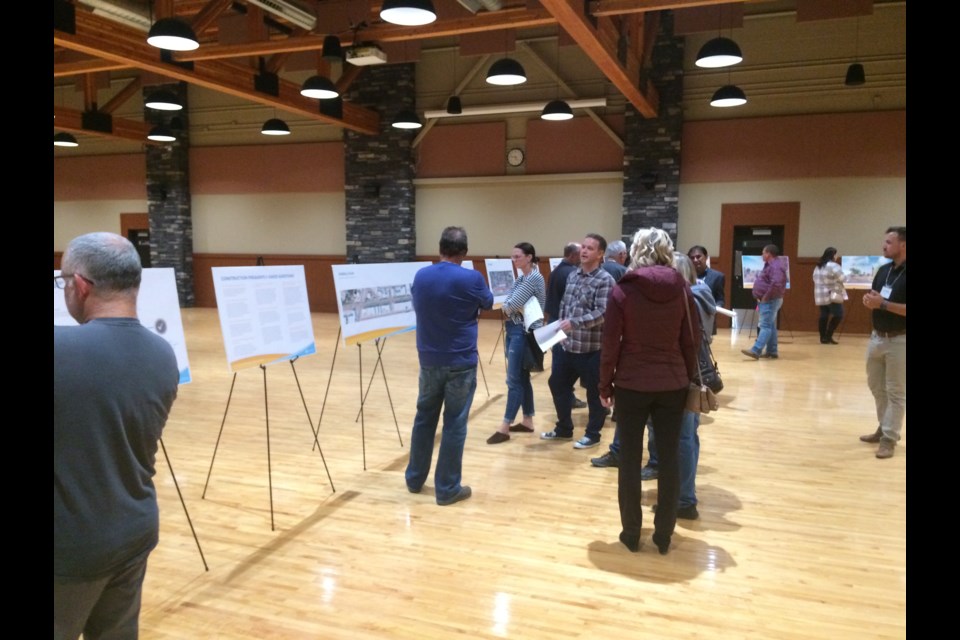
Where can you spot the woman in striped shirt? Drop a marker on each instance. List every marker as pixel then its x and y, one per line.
pixel 519 390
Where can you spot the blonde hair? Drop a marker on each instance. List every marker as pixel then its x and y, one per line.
pixel 651 247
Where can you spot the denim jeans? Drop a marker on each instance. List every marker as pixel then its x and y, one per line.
pixel 519 389
pixel 689 456
pixel 887 378
pixel 767 334
pixel 452 389
pixel 567 368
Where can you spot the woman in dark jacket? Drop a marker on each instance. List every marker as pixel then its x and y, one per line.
pixel 651 332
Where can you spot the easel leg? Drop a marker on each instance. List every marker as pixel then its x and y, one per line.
pixel 497 343
pixel 380 345
pixel 316 442
pixel 266 413
pixel 217 445
pixel 327 392
pixel 363 434
pixel 183 504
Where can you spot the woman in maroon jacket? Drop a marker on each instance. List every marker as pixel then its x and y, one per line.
pixel 651 331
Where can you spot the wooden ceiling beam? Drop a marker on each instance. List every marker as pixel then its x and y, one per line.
pixel 580 27
pixel 381 32
pixel 106 39
pixel 66 119
pixel 599 8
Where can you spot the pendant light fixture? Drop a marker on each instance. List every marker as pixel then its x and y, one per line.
pixel 454 105
pixel 332 50
pixel 319 88
pixel 557 110
pixel 275 127
pixel 172 34
pixel 719 52
pixel 64 139
pixel 855 75
pixel 407 119
pixel 728 96
pixel 164 100
pixel 506 72
pixel 408 13
pixel 161 133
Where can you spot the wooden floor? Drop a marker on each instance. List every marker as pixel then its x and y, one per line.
pixel 802 531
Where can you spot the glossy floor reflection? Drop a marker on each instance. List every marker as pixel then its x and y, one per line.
pixel 786 545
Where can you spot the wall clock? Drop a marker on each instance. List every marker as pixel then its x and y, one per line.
pixel 515 157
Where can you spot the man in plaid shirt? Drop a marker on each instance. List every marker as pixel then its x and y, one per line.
pixel 581 318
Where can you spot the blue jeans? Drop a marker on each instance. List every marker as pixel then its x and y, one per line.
pixel 767 334
pixel 452 389
pixel 887 378
pixel 519 389
pixel 689 456
pixel 567 368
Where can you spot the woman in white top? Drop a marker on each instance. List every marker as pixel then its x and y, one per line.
pixel 519 390
pixel 829 294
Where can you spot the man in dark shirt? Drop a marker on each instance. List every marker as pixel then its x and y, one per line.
pixel 114 382
pixel 714 279
pixel 887 351
pixel 555 289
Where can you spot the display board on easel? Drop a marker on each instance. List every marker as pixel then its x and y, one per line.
pixel 858 271
pixel 264 314
pixel 500 277
pixel 753 265
pixel 158 309
pixel 375 300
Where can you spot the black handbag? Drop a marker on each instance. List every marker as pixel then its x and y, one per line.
pixel 708 367
pixel 532 353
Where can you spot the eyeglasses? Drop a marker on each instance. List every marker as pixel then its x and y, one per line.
pixel 60 282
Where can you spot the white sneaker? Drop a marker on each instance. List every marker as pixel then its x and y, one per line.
pixel 585 443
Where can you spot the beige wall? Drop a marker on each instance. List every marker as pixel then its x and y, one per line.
pixel 294 223
pixel 72 218
pixel 848 213
pixel 546 211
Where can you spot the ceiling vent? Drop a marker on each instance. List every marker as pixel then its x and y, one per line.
pixel 365 55
pixel 474 6
pixel 288 11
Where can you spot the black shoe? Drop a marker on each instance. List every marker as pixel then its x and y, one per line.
pixel 578 404
pixel 648 473
pixel 771 356
pixel 688 513
pixel 609 459
pixel 662 546
pixel 463 494
pixel 872 438
pixel 630 542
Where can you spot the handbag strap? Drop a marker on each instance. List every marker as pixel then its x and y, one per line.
pixel 686 308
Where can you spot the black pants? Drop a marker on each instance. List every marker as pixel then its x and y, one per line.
pixel 633 410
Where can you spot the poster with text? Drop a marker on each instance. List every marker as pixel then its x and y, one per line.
pixel 158 309
pixel 375 300
pixel 554 263
pixel 500 277
pixel 753 265
pixel 858 271
pixel 264 314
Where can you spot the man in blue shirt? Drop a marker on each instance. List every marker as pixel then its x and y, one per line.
pixel 447 299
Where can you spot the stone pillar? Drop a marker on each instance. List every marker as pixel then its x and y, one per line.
pixel 168 194
pixel 379 170
pixel 651 157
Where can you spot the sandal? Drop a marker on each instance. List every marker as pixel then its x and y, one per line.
pixel 520 427
pixel 498 437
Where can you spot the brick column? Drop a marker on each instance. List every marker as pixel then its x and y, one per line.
pixel 379 170
pixel 168 194
pixel 651 158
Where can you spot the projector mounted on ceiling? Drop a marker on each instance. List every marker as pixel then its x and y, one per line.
pixel 364 55
pixel 288 11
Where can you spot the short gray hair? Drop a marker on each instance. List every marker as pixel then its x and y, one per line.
pixel 109 260
pixel 650 247
pixel 614 248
